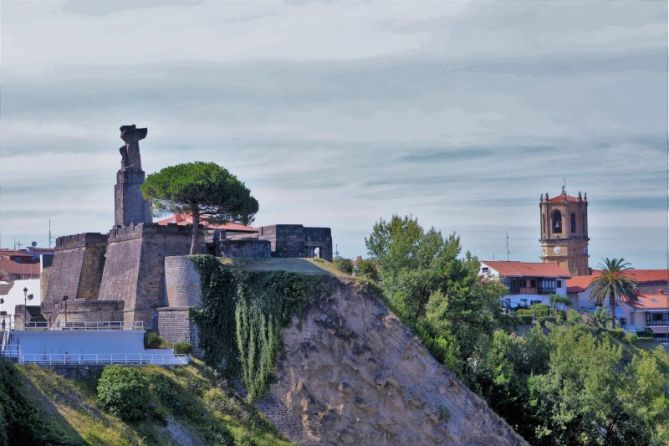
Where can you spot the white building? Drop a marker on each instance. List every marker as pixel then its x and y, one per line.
pixel 650 312
pixel 16 296
pixel 528 282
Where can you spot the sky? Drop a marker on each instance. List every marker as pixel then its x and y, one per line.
pixel 341 113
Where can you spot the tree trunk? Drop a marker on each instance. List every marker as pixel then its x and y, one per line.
pixel 195 239
pixel 612 309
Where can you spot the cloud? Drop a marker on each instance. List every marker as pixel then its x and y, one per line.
pixel 459 113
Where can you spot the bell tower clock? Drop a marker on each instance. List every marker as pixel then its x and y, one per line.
pixel 564 231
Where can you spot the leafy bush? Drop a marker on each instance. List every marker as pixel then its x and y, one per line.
pixel 123 392
pixel 631 338
pixel 152 340
pixel 540 310
pixel 183 348
pixel 525 319
pixel 343 265
pixel 367 268
pixel 525 312
pixel 617 333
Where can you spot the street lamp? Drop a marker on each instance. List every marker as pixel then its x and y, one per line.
pixel 65 303
pixel 25 308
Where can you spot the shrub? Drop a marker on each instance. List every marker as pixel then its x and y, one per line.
pixel 617 333
pixel 525 319
pixel 573 317
pixel 343 265
pixel 123 392
pixel 644 334
pixel 525 312
pixel 152 340
pixel 540 310
pixel 631 338
pixel 183 348
pixel 368 268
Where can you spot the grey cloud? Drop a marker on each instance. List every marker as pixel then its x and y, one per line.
pixel 95 7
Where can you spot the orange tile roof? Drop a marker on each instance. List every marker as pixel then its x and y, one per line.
pixel 183 220
pixel 9 266
pixel 511 268
pixel 560 198
pixel 578 284
pixel 659 301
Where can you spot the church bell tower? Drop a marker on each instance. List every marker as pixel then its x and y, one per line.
pixel 564 231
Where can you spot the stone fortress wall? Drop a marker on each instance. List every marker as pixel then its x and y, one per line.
pixel 137 271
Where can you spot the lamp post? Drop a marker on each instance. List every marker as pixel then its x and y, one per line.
pixel 25 308
pixel 65 303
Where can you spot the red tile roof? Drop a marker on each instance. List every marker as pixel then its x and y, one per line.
pixel 560 198
pixel 510 268
pixel 659 301
pixel 183 220
pixel 9 266
pixel 579 284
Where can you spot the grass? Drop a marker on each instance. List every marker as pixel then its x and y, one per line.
pixel 188 400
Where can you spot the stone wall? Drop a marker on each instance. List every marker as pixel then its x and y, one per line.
pixel 87 311
pixel 297 241
pixel 76 271
pixel 176 325
pixel 182 281
pixel 244 248
pixel 135 267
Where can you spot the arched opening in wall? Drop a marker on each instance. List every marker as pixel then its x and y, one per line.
pixel 556 222
pixel 573 222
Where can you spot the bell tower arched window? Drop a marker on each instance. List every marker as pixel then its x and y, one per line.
pixel 573 222
pixel 556 222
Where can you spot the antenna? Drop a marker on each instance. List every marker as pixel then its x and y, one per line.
pixel 508 249
pixel 50 238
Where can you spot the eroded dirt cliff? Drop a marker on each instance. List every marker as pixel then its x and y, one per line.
pixel 352 373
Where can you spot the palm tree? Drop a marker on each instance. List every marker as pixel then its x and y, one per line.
pixel 614 283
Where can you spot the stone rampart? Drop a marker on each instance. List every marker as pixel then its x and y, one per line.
pixel 182 282
pixel 244 248
pixel 87 311
pixel 176 325
pixel 135 267
pixel 77 268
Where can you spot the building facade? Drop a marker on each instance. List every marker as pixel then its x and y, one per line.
pixel 528 282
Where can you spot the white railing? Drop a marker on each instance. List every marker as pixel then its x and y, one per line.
pixel 103 359
pixel 11 351
pixel 84 325
pixel 98 325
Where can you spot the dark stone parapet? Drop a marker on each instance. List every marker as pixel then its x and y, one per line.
pixel 120 233
pixel 80 240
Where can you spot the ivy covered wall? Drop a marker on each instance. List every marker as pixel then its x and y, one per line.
pixel 243 314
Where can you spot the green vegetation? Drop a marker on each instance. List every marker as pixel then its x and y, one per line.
pixel 152 340
pixel 188 401
pixel 612 285
pixel 183 348
pixel 243 314
pixel 562 382
pixel 123 392
pixel 343 265
pixel 202 190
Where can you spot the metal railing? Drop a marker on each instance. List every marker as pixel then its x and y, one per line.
pixel 99 325
pixel 10 351
pixel 103 359
pixel 84 325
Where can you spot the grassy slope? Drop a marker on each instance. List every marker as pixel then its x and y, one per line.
pixel 187 402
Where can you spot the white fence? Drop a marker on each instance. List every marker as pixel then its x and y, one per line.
pixel 103 359
pixel 86 326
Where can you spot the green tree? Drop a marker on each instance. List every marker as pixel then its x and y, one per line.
pixel 202 190
pixel 613 284
pixel 124 392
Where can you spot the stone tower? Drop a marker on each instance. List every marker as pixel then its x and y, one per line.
pixel 130 208
pixel 564 231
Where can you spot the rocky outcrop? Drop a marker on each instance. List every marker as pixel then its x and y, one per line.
pixel 351 373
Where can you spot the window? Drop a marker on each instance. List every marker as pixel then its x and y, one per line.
pixel 558 283
pixel 547 286
pixel 659 318
pixel 573 222
pixel 532 302
pixel 556 222
pixel 485 269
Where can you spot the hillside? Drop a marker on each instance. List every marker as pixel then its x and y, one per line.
pixel 188 407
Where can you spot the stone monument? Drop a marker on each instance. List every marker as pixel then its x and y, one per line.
pixel 130 206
